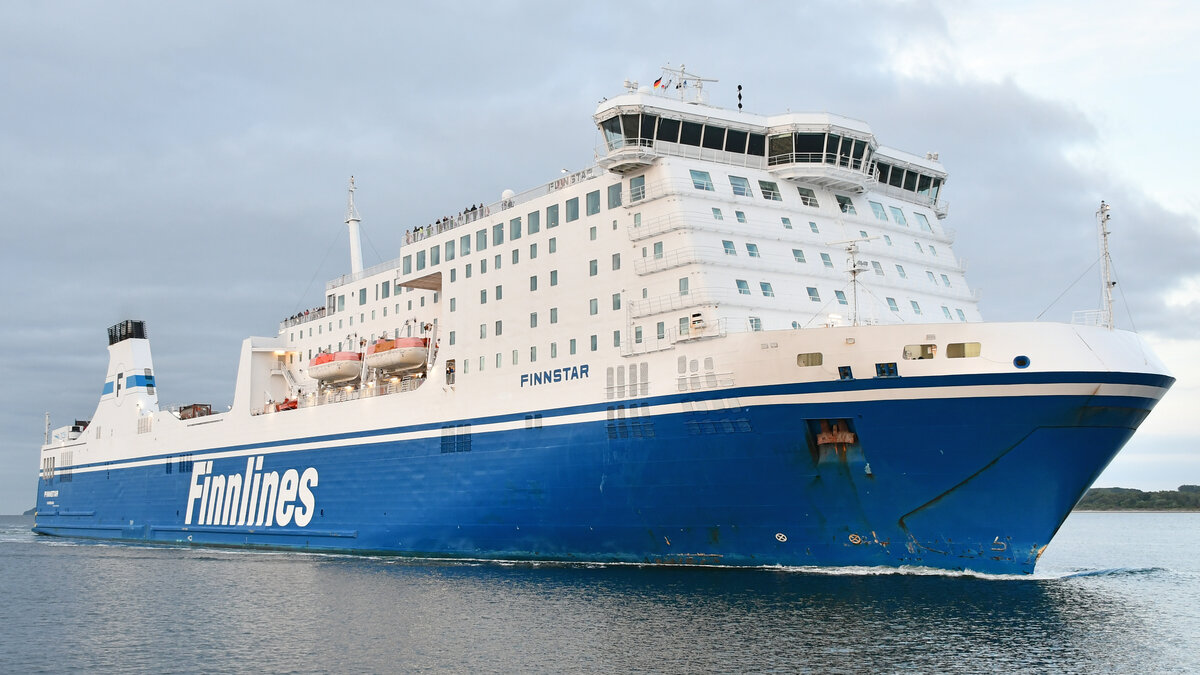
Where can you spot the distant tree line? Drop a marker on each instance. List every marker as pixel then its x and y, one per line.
pixel 1186 498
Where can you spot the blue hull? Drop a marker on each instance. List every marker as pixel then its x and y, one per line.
pixel 959 483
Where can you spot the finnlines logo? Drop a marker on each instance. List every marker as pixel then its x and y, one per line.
pixel 251 498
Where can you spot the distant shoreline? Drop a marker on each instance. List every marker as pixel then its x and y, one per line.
pixel 1135 511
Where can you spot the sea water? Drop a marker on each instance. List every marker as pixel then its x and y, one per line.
pixel 1114 592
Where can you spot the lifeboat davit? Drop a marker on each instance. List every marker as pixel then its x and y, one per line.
pixel 398 355
pixel 332 367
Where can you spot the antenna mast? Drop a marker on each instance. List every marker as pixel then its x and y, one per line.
pixel 352 220
pixel 1102 220
pixel 855 270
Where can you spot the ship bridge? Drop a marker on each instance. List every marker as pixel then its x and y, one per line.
pixel 813 149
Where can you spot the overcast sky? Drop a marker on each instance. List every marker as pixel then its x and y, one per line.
pixel 186 164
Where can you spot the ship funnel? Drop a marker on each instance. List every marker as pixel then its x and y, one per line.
pixel 352 221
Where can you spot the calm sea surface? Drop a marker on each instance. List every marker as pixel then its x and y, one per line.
pixel 1113 593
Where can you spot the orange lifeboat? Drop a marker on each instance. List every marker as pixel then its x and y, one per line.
pixel 333 367
pixel 400 354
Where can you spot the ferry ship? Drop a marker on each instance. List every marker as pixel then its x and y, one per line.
pixel 734 339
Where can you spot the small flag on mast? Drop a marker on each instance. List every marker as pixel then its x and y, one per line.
pixel 657 82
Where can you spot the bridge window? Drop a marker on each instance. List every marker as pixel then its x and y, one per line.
pixel 735 141
pixel 756 145
pixel 714 137
pixel 668 130
pixel 690 133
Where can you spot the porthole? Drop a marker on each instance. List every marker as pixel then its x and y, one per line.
pixel 1021 361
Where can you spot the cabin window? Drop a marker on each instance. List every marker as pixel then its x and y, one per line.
pixel 553 244
pixel 717 215
pixel 741 186
pixel 841 297
pixel 572 209
pixel 593 267
pixel 435 255
pixel 683 285
pixel 813 226
pixel 483 296
pixel 594 306
pixel 572 346
pixel 637 188
pixel 787 222
pixel 767 291
pixel 551 217
pixel 730 249
pixel 809 359
pixel 798 255
pixel 886 370
pixel 741 216
pixel 892 305
pixel 923 222
pixel 770 190
pixel 813 294
pixel 752 250
pixel 961 350
pixel 420 266
pixel 499 331
pixel 594 342
pixel 514 229
pixel 742 286
pixel 616 261
pixel 877 267
pixel 898 216
pixel 553 315
pixel 877 209
pixel 480 240
pixel 846 204
pixel 533 319
pixel 961 316
pixel 946 311
pixel 464 245
pixel 915 307
pixel 900 271
pixel 614 196
pixel 533 283
pixel 825 260
pixel 616 301
pixel 499 293
pixel 919 352
pixel 808 197
pixel 406 265
pixel 932 279
pixel 553 277
pixel 702 181
pixel 593 202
